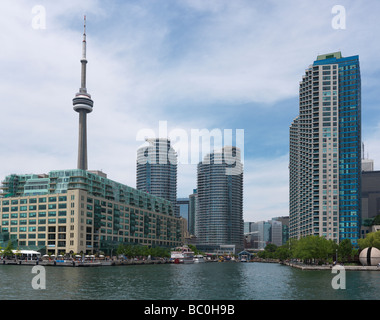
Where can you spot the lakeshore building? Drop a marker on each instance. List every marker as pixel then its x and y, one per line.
pixel 219 207
pixel 370 200
pixel 81 211
pixel 182 209
pixel 325 151
pixel 193 202
pixel 74 211
pixel 257 235
pixel 156 170
pixel 367 165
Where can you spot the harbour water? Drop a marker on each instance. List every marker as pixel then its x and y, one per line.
pixel 205 281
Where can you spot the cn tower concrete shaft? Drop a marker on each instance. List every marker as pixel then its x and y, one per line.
pixel 82 143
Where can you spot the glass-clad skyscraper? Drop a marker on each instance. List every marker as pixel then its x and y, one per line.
pixel 325 151
pixel 156 170
pixel 219 215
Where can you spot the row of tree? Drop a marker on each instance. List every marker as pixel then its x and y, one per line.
pixel 7 251
pixel 132 251
pixel 371 240
pixel 318 249
pixel 129 251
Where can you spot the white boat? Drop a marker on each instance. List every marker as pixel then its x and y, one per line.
pixel 199 258
pixel 182 255
pixel 244 258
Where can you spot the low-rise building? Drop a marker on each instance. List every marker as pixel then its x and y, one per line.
pixel 76 211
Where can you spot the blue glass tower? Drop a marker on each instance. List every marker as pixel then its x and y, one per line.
pixel 325 151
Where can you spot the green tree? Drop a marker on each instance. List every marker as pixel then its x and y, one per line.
pixel 313 248
pixel 120 249
pixel 371 240
pixel 376 220
pixel 8 250
pixel 270 247
pixel 345 249
pixel 195 249
pixel 304 249
pixel 283 252
pixel 262 254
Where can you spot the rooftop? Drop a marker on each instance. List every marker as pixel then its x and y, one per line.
pixel 95 183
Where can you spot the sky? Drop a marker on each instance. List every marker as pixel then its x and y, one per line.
pixel 172 67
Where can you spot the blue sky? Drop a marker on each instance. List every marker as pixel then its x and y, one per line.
pixel 195 64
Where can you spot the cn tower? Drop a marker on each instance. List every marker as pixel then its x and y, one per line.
pixel 83 105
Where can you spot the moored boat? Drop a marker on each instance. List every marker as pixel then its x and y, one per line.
pixel 182 255
pixel 199 258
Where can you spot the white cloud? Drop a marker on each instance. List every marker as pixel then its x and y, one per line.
pixel 266 188
pixel 149 63
pixel 372 146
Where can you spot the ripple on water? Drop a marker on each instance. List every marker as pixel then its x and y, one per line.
pixel 206 281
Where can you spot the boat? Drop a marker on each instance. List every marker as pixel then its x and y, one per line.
pixel 244 258
pixel 182 255
pixel 199 258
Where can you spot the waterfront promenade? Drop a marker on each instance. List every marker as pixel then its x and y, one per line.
pixel 132 262
pixel 329 267
pixel 72 263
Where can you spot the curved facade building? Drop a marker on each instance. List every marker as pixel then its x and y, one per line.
pixel 219 220
pixel 156 169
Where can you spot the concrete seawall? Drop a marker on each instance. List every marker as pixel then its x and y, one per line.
pixel 329 267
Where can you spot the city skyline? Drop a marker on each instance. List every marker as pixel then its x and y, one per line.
pixel 181 63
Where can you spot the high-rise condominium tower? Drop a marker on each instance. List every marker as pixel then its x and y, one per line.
pixel 219 215
pixel 157 169
pixel 83 105
pixel 325 151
